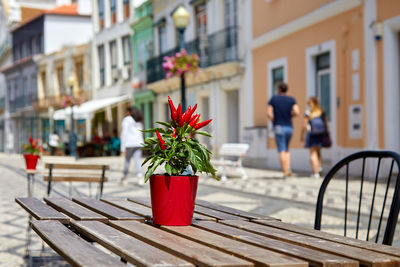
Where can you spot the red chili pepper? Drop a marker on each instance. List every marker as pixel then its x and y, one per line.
pixel 174 113
pixel 179 116
pixel 191 113
pixel 174 134
pixel 202 124
pixel 30 140
pixel 161 141
pixel 186 115
pixel 194 120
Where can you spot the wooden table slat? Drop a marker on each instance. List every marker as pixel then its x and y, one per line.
pixel 40 210
pixel 71 247
pixel 107 210
pixel 260 256
pixel 130 206
pixel 74 210
pixel 245 214
pixel 219 215
pixel 369 258
pixel 191 251
pixel 314 257
pixel 145 201
pixel 332 237
pixel 127 247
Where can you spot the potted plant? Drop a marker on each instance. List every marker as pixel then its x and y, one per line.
pixel 32 153
pixel 175 148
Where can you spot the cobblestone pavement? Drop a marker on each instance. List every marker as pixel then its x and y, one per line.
pixel 265 192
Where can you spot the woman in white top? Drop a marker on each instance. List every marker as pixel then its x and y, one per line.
pixel 132 141
pixel 54 141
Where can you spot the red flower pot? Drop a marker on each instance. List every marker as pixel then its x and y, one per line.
pixel 173 198
pixel 31 161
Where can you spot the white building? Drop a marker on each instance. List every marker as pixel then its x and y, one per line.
pixel 216 32
pixel 112 60
pixel 45 33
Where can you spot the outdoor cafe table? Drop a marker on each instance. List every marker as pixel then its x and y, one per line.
pixel 218 236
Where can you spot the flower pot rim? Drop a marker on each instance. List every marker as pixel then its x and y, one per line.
pixel 166 174
pixel 32 154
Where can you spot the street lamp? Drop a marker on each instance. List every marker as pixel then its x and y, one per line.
pixel 72 139
pixel 181 20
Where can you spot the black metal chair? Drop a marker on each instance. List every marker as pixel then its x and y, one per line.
pixel 392 218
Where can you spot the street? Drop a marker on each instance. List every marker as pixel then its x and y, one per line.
pixel 291 200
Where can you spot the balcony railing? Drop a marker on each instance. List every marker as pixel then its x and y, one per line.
pixel 213 49
pixel 22 102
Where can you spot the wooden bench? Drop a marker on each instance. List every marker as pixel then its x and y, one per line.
pixel 229 151
pixel 75 172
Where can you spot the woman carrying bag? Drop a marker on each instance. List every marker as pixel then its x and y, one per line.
pixel 315 133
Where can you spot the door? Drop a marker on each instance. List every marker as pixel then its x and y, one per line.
pixel 233 116
pixel 324 91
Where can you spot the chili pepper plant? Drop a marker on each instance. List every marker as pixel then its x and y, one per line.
pixel 175 146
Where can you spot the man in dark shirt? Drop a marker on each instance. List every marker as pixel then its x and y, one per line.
pixel 280 110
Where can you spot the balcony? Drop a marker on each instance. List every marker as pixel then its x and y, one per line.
pixel 214 49
pixel 22 102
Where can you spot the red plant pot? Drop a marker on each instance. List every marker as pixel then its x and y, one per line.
pixel 172 199
pixel 31 161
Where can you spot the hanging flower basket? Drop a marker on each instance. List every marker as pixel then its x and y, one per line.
pixel 180 63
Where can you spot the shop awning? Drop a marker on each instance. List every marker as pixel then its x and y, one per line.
pixel 85 110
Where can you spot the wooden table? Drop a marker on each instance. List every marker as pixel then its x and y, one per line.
pixel 219 236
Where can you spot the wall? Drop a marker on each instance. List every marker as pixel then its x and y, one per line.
pixel 346 31
pixel 61 31
pixel 268 15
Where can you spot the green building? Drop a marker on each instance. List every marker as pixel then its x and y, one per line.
pixel 142 40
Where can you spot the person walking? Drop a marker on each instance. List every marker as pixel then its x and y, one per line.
pixel 132 141
pixel 65 140
pixel 315 126
pixel 280 110
pixel 54 141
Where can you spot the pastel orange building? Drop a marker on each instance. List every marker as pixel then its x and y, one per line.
pixel 346 53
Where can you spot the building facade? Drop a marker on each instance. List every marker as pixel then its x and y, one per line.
pixel 54 70
pixel 142 38
pixel 112 59
pixel 218 88
pixel 43 34
pixel 338 51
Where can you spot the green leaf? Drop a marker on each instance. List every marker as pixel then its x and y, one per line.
pixel 164 123
pixel 203 133
pixel 147 159
pixel 152 168
pixel 168 168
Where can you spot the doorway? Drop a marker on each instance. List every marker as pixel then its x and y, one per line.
pixel 233 116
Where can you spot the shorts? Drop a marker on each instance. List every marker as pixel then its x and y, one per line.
pixel 314 140
pixel 283 134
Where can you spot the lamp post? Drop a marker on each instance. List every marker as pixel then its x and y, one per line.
pixel 72 136
pixel 181 20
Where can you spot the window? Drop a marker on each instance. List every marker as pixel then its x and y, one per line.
pixel 162 36
pixel 113 5
pixel 126 44
pixel 230 13
pixel 126 9
pixel 277 78
pixel 15 53
pixel 114 63
pixel 43 81
pixel 79 74
pixel 201 30
pixel 323 90
pixel 277 73
pixel 113 54
pixel 30 47
pixel 101 64
pixel 39 43
pixel 101 13
pixel 60 80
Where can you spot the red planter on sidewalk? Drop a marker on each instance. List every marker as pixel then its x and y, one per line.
pixel 173 199
pixel 31 161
